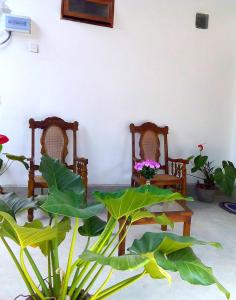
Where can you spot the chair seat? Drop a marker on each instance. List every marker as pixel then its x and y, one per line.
pixel 40 182
pixel 160 179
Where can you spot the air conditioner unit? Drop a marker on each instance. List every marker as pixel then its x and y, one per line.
pixel 16 23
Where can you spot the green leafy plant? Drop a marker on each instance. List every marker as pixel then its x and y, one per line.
pixel 223 177
pixel 155 254
pixel 5 165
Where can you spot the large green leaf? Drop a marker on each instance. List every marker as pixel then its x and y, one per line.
pixel 58 176
pixel 165 242
pixel 190 268
pixel 127 201
pixel 12 204
pixel 63 227
pixel 199 162
pixel 22 235
pixel 156 271
pixel 225 177
pixel 141 214
pixel 122 263
pixel 20 158
pixel 69 204
pixel 92 227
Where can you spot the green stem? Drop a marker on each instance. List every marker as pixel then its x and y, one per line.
pixel 55 258
pixel 83 282
pixel 115 236
pixel 108 246
pixel 31 291
pixel 49 269
pixel 34 286
pixel 69 263
pixel 102 286
pixel 119 286
pixel 37 273
pixel 105 236
pixel 97 247
pixel 87 244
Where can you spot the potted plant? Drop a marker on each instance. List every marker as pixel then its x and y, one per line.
pixel 154 254
pixel 212 178
pixel 4 166
pixel 147 168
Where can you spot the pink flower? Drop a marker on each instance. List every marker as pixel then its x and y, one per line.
pixel 146 163
pixel 138 166
pixel 200 147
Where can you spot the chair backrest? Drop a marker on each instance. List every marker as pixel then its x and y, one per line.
pixel 149 142
pixel 54 138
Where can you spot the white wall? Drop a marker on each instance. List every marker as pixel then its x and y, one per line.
pixel 154 65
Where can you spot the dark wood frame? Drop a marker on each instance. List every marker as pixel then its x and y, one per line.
pixel 79 165
pixel 87 18
pixel 176 167
pixel 185 216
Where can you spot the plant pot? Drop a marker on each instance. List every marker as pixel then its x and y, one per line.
pixel 205 194
pixel 86 298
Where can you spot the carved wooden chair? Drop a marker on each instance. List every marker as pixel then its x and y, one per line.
pixel 174 170
pixel 54 142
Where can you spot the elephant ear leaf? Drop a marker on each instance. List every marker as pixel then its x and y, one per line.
pixel 122 263
pixel 12 204
pixel 69 204
pixel 190 268
pixel 160 219
pixel 155 271
pixel 93 226
pixel 126 202
pixel 61 230
pixel 22 235
pixel 58 176
pixel 165 242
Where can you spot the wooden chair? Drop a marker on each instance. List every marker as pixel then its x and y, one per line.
pixel 174 176
pixel 54 142
pixel 174 170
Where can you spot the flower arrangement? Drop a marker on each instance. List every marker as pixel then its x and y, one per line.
pixel 212 177
pixel 205 167
pixel 147 168
pixel 4 166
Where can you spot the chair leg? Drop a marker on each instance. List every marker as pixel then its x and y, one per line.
pixel 30 194
pixel 187 227
pixel 132 183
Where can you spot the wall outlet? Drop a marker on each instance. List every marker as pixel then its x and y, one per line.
pixel 34 47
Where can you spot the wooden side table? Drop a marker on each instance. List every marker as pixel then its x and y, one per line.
pixel 177 212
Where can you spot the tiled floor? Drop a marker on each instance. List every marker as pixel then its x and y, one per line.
pixel 210 223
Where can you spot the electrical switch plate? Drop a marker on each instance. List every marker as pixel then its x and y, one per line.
pixel 33 47
pixel 202 21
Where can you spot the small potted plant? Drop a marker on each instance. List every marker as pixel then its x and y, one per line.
pixel 147 169
pixel 212 178
pixel 4 166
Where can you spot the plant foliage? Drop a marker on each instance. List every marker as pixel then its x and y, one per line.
pixel 155 254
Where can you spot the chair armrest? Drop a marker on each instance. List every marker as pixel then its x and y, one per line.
pixel 81 160
pixel 32 166
pixel 177 167
pixel 178 160
pixel 82 170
